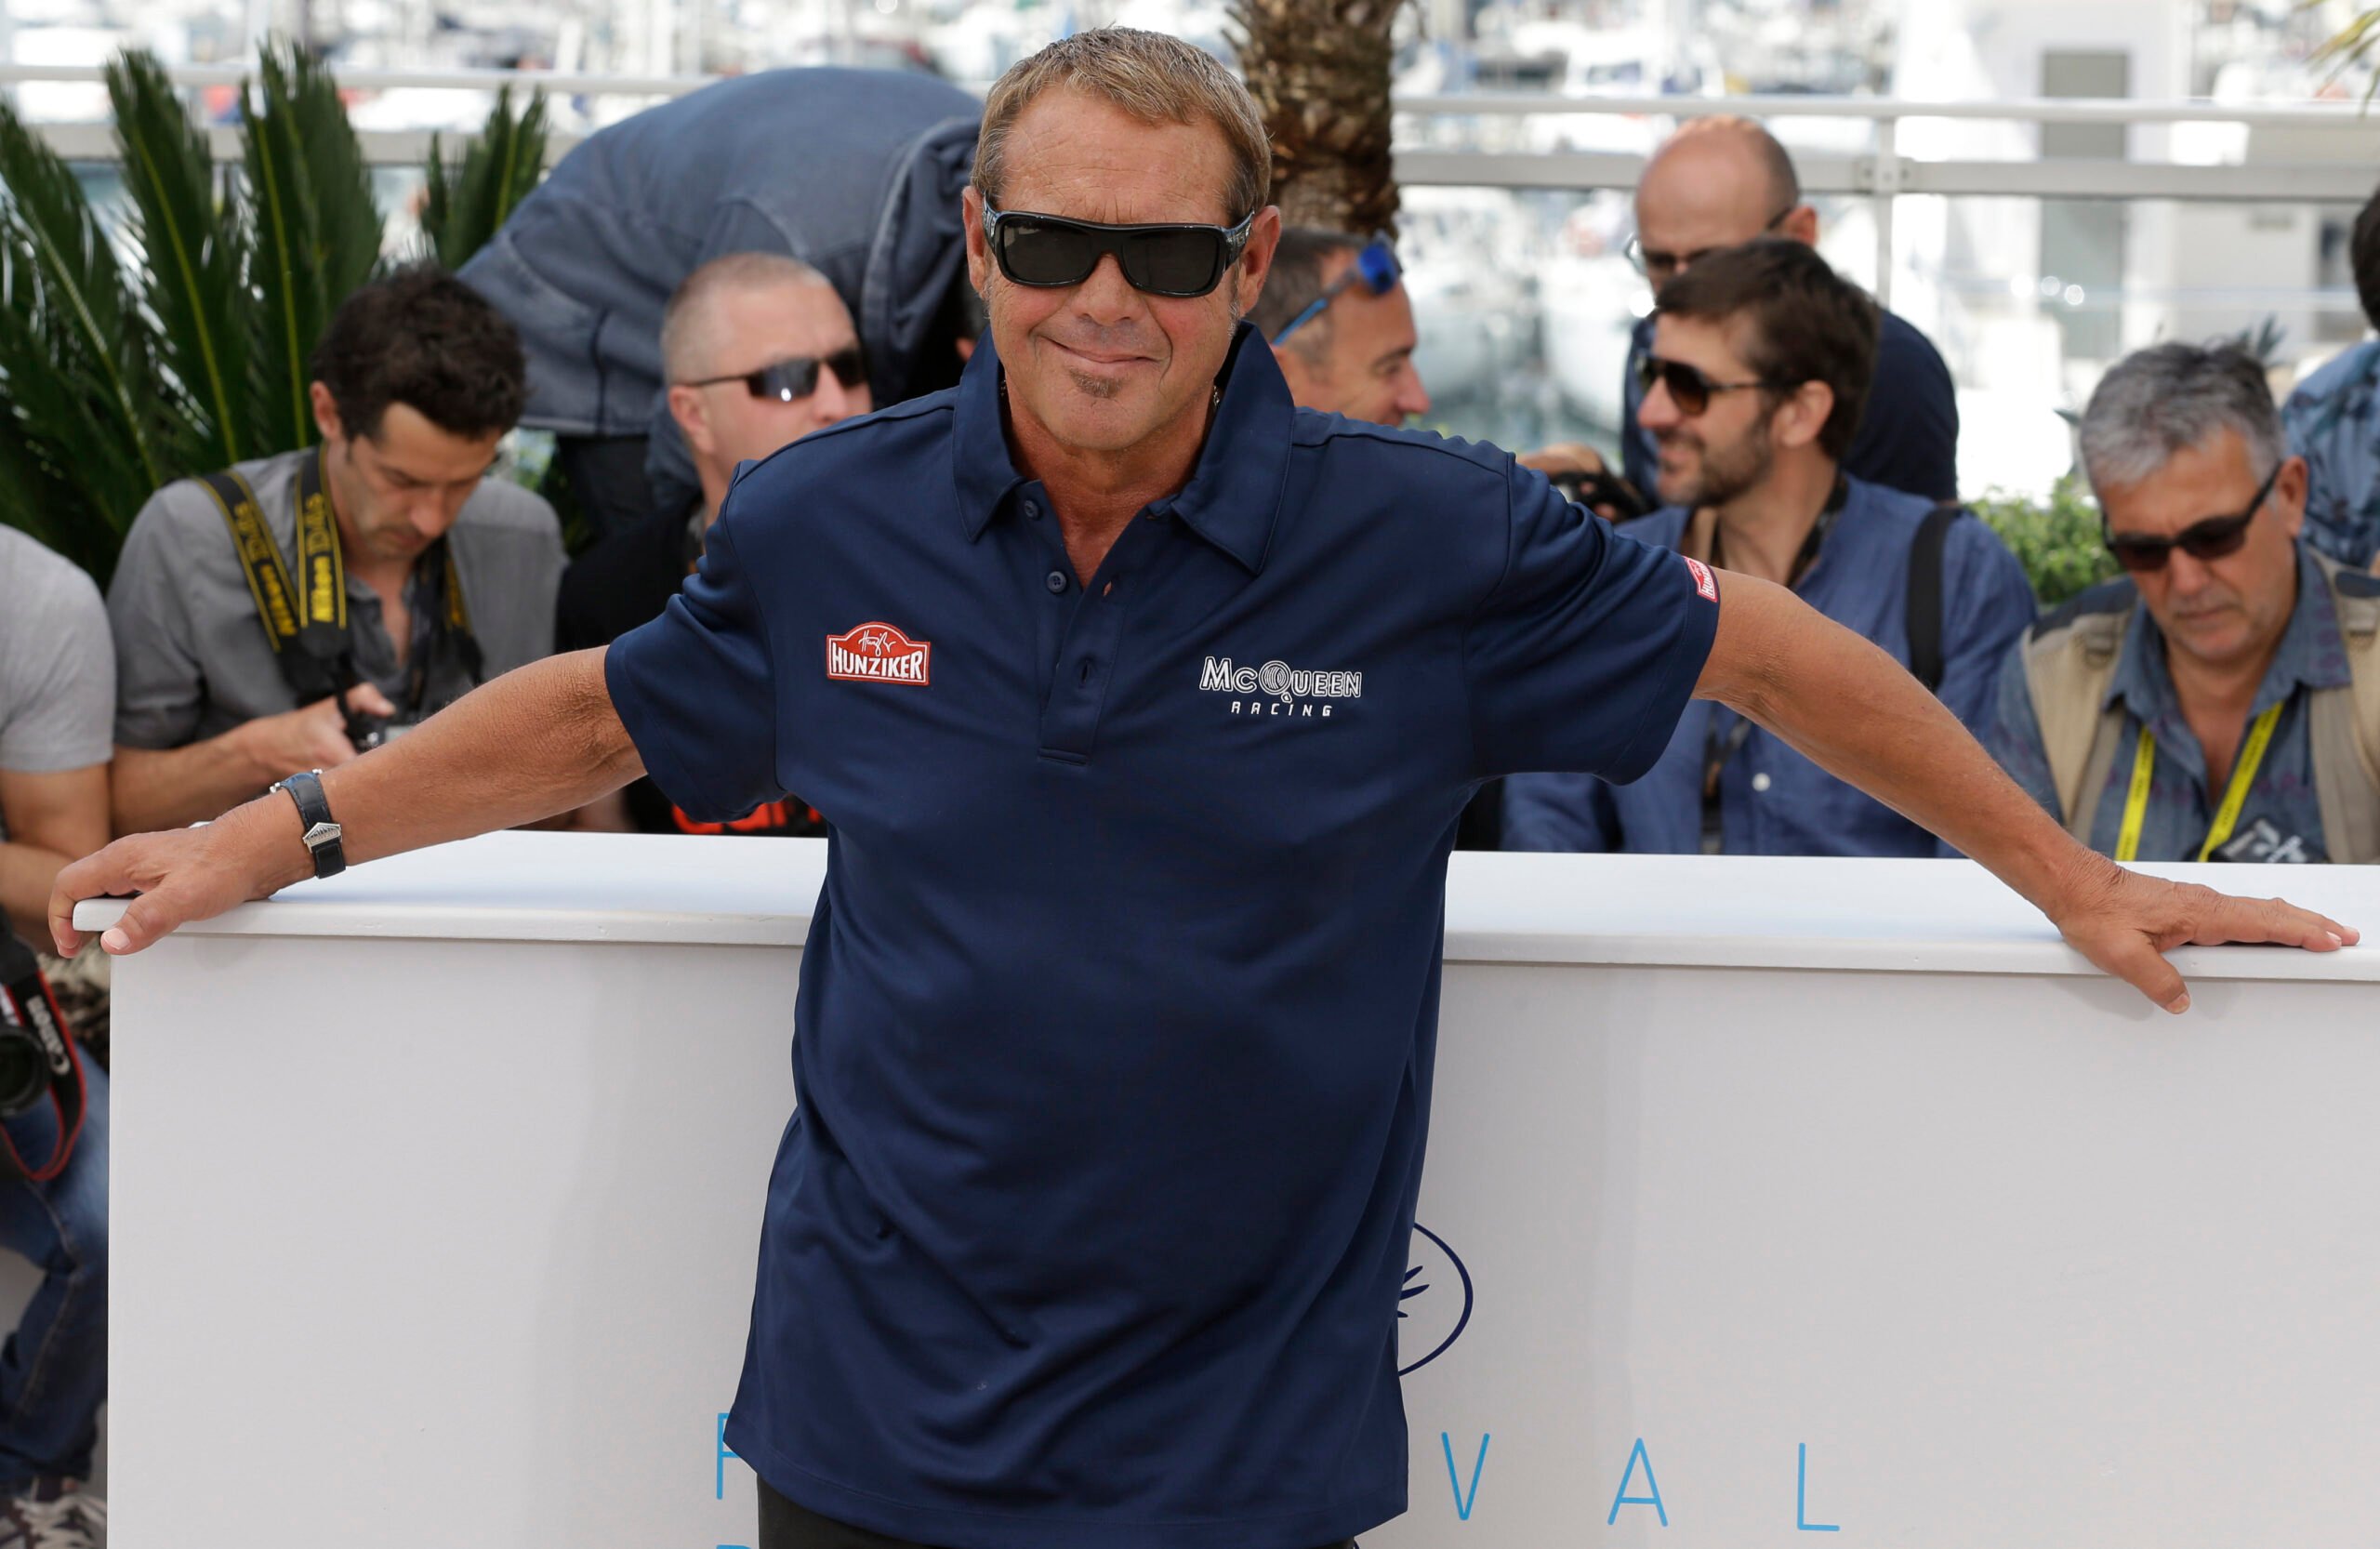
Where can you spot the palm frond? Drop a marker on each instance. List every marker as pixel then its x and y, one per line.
pixel 82 434
pixel 69 314
pixel 2352 48
pixel 195 263
pixel 349 225
pixel 65 476
pixel 469 200
pixel 315 229
pixel 34 498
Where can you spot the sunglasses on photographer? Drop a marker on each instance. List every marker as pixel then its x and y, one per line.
pixel 1049 251
pixel 1375 269
pixel 2210 539
pixel 790 380
pixel 1688 388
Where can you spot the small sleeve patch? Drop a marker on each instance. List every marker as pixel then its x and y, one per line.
pixel 1704 582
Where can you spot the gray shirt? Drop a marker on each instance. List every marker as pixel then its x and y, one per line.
pixel 193 660
pixel 57 667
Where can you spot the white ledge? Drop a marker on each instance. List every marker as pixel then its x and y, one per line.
pixel 1930 916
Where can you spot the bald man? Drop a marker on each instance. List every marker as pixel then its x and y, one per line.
pixel 1719 182
pixel 759 351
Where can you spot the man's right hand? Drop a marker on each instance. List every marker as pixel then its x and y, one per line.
pixel 181 875
pixel 312 737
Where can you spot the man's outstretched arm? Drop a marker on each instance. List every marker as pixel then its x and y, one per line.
pixel 535 742
pixel 1858 715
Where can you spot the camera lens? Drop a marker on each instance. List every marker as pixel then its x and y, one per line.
pixel 24 1071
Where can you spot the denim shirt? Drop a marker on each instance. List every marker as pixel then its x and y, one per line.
pixel 2282 819
pixel 2333 423
pixel 1774 802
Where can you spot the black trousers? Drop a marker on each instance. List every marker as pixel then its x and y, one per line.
pixel 786 1525
pixel 606 477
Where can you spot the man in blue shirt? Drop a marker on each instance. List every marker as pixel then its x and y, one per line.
pixel 2221 700
pixel 2333 420
pixel 1142 704
pixel 1718 182
pixel 1759 366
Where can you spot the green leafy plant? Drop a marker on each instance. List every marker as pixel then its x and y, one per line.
pixel 2056 540
pixel 187 350
pixel 466 200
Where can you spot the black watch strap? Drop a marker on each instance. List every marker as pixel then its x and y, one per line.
pixel 322 836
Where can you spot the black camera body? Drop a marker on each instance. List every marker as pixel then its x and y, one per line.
pixel 1602 489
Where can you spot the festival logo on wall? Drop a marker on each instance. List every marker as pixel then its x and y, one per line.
pixel 1434 1304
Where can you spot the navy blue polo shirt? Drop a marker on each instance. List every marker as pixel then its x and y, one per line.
pixel 1118 1011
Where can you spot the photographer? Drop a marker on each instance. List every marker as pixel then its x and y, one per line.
pixel 276 616
pixel 57 692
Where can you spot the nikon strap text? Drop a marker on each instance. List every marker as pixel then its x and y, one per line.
pixel 305 615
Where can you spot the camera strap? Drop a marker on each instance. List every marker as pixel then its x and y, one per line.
pixel 26 1003
pixel 305 615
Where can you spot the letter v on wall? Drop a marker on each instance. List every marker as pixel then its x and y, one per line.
pixel 1464 1502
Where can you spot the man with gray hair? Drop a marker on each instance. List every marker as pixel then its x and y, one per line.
pixel 759 351
pixel 2220 701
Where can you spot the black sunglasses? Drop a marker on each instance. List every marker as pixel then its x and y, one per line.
pixel 2210 539
pixel 1049 251
pixel 789 381
pixel 1688 388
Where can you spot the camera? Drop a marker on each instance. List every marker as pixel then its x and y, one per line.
pixel 33 1034
pixel 25 1070
pixel 1602 489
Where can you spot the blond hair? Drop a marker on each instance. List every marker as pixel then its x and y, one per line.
pixel 1155 79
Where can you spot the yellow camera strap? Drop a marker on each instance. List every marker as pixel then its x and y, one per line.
pixel 310 607
pixel 2235 795
pixel 316 597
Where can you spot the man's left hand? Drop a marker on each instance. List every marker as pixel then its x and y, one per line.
pixel 2126 923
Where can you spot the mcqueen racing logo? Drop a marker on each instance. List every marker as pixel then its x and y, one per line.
pixel 1278 689
pixel 877 654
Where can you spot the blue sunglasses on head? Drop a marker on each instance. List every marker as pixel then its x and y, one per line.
pixel 1375 268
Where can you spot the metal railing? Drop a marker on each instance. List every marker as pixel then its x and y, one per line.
pixel 2349 137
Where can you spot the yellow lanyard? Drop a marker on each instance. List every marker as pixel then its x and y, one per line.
pixel 2227 817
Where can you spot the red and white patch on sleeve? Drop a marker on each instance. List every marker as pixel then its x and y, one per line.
pixel 1704 582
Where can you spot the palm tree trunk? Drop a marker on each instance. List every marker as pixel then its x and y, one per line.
pixel 1319 72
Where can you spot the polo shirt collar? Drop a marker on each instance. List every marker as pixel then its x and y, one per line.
pixel 1234 489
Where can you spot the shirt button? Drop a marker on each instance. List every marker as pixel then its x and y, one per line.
pixel 1760 782
pixel 1057 581
pixel 1032 511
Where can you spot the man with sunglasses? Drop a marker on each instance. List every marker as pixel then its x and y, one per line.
pixel 854 171
pixel 2221 699
pixel 1758 367
pixel 759 351
pixel 1341 327
pixel 1142 702
pixel 1718 182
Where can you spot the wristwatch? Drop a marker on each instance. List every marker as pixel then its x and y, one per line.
pixel 322 835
